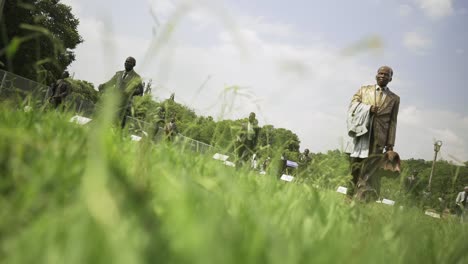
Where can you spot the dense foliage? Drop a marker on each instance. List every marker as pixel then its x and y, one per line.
pixel 38 37
pixel 220 133
pixel 83 90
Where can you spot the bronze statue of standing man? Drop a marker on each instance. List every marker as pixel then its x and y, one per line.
pixel 304 161
pixel 381 107
pixel 128 84
pixel 60 90
pixel 247 139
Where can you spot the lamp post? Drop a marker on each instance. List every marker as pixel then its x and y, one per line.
pixel 437 146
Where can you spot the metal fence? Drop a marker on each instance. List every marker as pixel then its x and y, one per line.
pixel 17 88
pixel 198 146
pixel 144 129
pixel 83 107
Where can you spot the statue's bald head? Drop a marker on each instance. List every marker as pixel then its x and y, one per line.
pixel 65 74
pixel 384 76
pixel 385 67
pixel 251 117
pixel 130 62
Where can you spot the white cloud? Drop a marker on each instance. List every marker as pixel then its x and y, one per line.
pixel 411 116
pixel 447 136
pixel 436 9
pixel 162 8
pixel 103 52
pixel 416 42
pixel 268 28
pixel 405 10
pixel 419 128
pixel 74 4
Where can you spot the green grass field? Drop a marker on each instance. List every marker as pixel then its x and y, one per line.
pixel 88 194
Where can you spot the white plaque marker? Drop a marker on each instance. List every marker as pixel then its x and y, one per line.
pixel 218 156
pixel 135 138
pixel 287 178
pixel 292 164
pixel 228 163
pixel 342 190
pixel 388 202
pixel 432 214
pixel 81 120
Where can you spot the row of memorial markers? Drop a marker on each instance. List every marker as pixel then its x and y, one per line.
pixel 287 178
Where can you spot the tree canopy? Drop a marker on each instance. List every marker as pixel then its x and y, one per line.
pixel 220 133
pixel 38 37
pixel 83 90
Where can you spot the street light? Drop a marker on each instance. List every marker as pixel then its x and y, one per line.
pixel 437 146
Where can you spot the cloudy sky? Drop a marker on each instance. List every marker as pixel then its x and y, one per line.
pixel 296 63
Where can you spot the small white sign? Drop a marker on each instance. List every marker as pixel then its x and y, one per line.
pixel 228 163
pixel 342 190
pixel 262 172
pixel 388 202
pixel 135 138
pixel 28 109
pixel 81 120
pixel 218 156
pixel 291 163
pixel 432 214
pixel 287 178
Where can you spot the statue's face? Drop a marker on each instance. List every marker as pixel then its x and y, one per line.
pixel 65 75
pixel 252 117
pixel 129 63
pixel 384 76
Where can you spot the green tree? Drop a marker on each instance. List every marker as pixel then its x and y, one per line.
pixel 83 90
pixel 205 129
pixel 145 108
pixel 185 117
pixel 328 170
pixel 224 134
pixel 280 140
pixel 39 37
